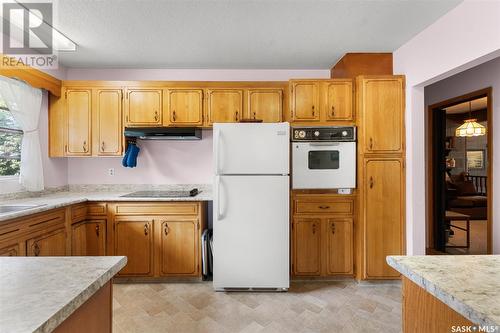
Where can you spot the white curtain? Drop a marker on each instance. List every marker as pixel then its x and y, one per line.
pixel 25 103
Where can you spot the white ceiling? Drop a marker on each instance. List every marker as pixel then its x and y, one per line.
pixel 237 34
pixel 476 104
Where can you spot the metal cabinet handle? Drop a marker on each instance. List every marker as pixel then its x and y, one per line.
pixel 314 228
pixel 324 207
pixel 333 111
pixel 84 146
pixel 156 115
pixel 371 143
pixel 312 108
pixel 236 115
pixel 165 229
pixel 371 182
pixel 36 249
pixel 254 115
pixel 332 226
pixel 97 230
pixel 146 229
pixel 102 146
pixel 174 117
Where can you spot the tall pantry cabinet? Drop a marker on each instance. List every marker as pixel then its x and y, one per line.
pixel 381 173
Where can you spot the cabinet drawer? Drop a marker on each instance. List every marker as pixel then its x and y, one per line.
pixel 180 208
pixel 98 208
pixel 45 220
pixel 344 206
pixel 78 213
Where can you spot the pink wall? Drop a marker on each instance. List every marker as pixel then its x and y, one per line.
pixel 166 162
pixel 465 37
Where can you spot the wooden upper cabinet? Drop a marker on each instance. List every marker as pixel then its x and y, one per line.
pixel 179 247
pixel 185 107
pixel 381 103
pixel 225 105
pixel 78 113
pixel 49 244
pixel 305 100
pixel 337 100
pixel 109 115
pixel 144 107
pixel 265 104
pixel 88 238
pixel 339 242
pixel 384 214
pixel 133 238
pixel 307 246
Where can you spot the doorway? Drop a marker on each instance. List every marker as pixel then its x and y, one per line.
pixel 459 174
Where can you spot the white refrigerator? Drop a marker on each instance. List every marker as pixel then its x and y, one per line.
pixel 251 206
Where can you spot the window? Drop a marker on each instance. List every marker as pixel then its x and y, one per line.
pixel 10 143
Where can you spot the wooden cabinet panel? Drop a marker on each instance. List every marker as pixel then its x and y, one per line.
pixel 171 208
pixel 307 246
pixel 382 114
pixel 144 107
pixel 339 244
pixel 88 238
pixel 179 247
pixel 225 105
pixel 185 106
pixel 305 100
pixel 383 214
pixel 337 100
pixel 109 114
pixel 78 113
pixel 10 251
pixel 49 244
pixel 133 237
pixel 327 206
pixel 265 104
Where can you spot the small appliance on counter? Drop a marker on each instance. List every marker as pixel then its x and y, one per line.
pixel 324 158
pixel 162 194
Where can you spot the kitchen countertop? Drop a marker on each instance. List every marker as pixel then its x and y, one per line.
pixel 37 294
pixel 469 284
pixel 66 198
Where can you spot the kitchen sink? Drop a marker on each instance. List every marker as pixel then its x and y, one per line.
pixel 16 208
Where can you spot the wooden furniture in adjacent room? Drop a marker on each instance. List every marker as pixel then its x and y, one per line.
pixel 451 216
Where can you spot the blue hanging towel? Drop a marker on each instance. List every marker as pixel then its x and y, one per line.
pixel 125 156
pixel 132 156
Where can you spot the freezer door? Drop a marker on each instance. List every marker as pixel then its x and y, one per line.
pixel 251 232
pixel 251 148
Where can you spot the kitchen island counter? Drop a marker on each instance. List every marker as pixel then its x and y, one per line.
pixel 39 294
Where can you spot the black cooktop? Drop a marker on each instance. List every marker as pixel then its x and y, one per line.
pixel 162 194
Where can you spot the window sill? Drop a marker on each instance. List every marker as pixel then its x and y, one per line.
pixel 10 184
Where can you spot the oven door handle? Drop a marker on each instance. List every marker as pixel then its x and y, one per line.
pixel 324 144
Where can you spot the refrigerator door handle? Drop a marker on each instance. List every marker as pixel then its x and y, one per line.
pixel 217 148
pixel 220 212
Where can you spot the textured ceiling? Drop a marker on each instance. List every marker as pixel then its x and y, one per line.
pixel 237 34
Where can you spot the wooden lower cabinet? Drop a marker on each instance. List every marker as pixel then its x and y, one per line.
pixel 133 238
pixel 88 238
pixel 339 244
pixel 179 249
pixel 51 244
pixel 10 251
pixel 307 246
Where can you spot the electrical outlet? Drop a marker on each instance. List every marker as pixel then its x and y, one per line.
pixel 111 171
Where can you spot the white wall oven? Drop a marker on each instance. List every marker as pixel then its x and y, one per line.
pixel 324 157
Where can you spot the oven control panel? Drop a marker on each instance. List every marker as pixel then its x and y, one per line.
pixel 332 134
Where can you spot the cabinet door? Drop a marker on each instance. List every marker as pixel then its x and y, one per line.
pixel 88 238
pixel 384 214
pixel 225 105
pixel 305 98
pixel 49 244
pixel 10 251
pixel 339 245
pixel 179 247
pixel 382 114
pixel 144 107
pixel 78 108
pixel 109 122
pixel 337 100
pixel 133 238
pixel 185 106
pixel 265 104
pixel 307 246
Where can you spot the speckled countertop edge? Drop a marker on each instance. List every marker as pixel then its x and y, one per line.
pixel 459 305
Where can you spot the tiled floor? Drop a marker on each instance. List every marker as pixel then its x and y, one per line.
pixel 341 306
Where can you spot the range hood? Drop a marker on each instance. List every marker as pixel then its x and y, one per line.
pixel 163 133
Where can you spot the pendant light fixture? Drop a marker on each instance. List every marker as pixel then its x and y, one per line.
pixel 470 127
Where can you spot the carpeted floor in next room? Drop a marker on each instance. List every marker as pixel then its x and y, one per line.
pixel 340 306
